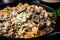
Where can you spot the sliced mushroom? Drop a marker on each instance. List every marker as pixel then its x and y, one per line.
pixel 35 19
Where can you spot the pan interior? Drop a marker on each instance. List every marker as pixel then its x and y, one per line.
pixel 40 26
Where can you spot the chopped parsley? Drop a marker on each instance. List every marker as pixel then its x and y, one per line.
pixel 26 11
pixel 56 13
pixel 20 24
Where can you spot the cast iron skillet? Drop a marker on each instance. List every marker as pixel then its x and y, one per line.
pixel 53 32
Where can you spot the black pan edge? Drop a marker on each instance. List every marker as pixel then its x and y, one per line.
pixel 15 3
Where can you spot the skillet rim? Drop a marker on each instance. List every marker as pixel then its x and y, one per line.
pixel 44 6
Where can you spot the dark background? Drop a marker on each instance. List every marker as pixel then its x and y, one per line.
pixel 53 5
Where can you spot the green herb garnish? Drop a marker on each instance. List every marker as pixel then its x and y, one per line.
pixel 20 24
pixel 26 11
pixel 56 13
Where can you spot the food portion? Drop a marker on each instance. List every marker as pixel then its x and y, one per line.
pixel 25 21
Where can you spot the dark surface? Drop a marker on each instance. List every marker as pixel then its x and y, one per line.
pixel 54 6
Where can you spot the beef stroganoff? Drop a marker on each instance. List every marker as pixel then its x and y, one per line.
pixel 25 21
